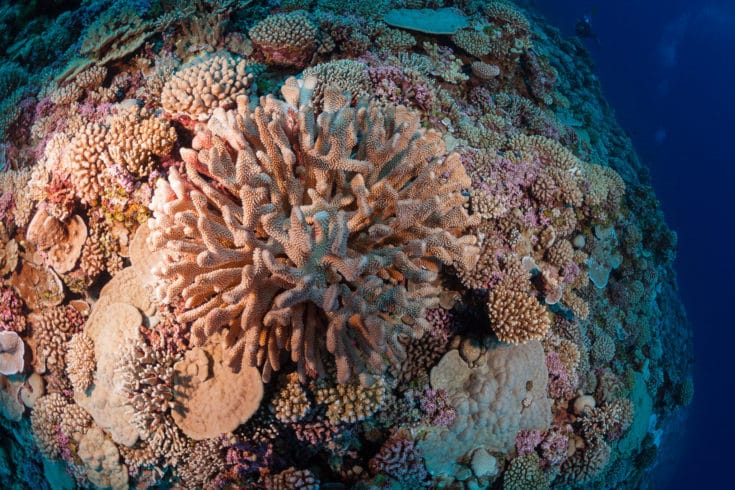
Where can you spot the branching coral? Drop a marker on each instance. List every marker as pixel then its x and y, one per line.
pixel 290 226
pixel 51 329
pixel 286 39
pixel 147 376
pixel 11 310
pixel 136 137
pixel 517 317
pixel 45 423
pixel 349 403
pixel 205 83
pixel 401 460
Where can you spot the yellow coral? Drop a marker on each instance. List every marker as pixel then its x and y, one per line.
pixel 517 317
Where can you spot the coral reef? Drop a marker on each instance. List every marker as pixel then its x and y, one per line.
pixel 324 243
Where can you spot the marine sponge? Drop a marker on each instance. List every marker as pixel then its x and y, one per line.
pixel 517 317
pixel 314 225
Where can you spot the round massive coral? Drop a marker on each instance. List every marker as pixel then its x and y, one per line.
pixel 290 228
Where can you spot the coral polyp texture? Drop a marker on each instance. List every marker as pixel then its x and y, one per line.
pixel 296 244
pixel 291 227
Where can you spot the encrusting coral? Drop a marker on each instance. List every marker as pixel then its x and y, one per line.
pixel 312 237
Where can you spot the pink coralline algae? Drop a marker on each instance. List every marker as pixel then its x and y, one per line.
pixel 11 310
pixel 440 322
pixel 398 86
pixel 554 448
pixel 527 441
pixel 6 208
pixel 561 383
pixel 436 406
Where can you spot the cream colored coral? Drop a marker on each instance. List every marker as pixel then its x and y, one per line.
pixel 87 160
pixel 209 398
pixel 136 136
pixel 561 253
pixel 291 403
pixel 286 39
pixel 349 403
pixel 12 349
pixel 52 329
pixel 86 81
pixel 45 419
pixel 324 221
pixel 346 75
pixel 476 43
pixel 206 83
pixel 80 361
pixel 484 71
pixel 146 378
pixel 60 242
pixel 102 461
pixel 109 325
pixel 292 479
pixel 516 317
pixel 204 461
pixel 579 306
pixel 75 421
pixel 15 182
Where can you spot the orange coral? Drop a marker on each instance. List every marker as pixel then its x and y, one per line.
pixel 315 240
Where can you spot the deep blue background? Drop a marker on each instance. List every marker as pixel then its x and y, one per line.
pixel 668 69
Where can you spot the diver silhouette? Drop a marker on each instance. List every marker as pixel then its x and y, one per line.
pixel 583 29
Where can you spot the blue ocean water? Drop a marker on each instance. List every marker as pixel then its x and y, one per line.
pixel 668 68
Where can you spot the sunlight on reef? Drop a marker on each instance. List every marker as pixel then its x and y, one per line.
pixel 304 243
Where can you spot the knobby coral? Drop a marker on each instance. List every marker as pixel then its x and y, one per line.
pixel 290 226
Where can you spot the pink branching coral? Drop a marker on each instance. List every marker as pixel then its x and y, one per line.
pixel 400 459
pixel 11 310
pixel 401 86
pixel 561 383
pixel 289 227
pixel 554 448
pixel 435 404
pixel 527 441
